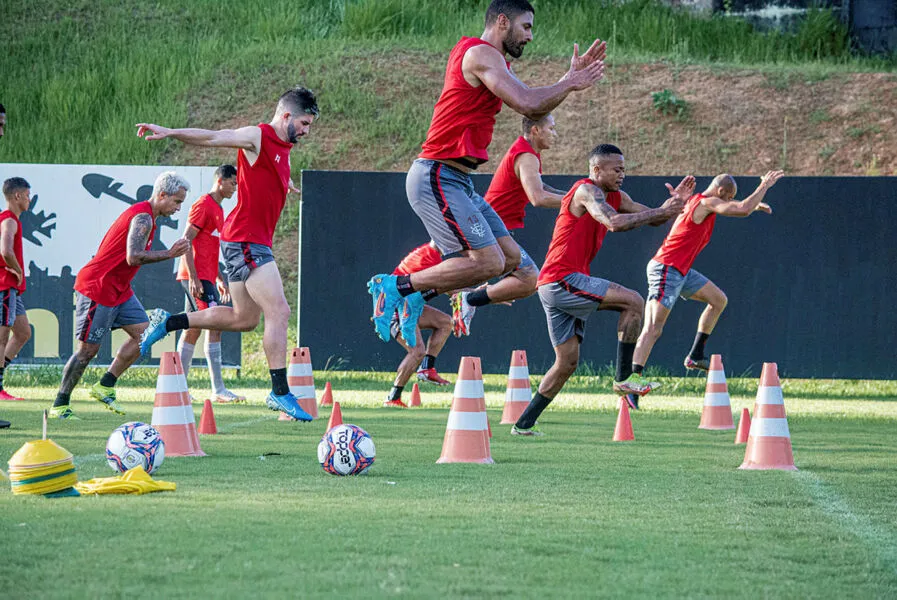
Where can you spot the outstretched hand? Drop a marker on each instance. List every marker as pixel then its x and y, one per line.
pixel 771 178
pixel 684 190
pixel 596 53
pixel 158 132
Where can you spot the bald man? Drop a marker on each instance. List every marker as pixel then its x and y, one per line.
pixel 670 274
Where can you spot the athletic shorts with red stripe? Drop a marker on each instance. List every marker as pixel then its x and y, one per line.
pixel 209 296
pixel 11 306
pixel 456 217
pixel 242 258
pixel 666 284
pixel 94 320
pixel 568 303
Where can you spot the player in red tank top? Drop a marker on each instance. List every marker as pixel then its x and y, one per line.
pixel 263 181
pixel 670 272
pixel 568 292
pixel 478 81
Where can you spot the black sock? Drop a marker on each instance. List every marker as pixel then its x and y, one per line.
pixel 533 410
pixel 637 369
pixel 62 399
pixel 429 362
pixel 2 369
pixel 625 350
pixel 395 393
pixel 8 361
pixel 429 295
pixel 178 321
pixel 403 284
pixel 108 379
pixel 279 382
pixel 478 298
pixel 697 349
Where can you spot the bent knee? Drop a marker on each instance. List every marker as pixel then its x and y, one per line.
pixel 634 302
pixel 721 301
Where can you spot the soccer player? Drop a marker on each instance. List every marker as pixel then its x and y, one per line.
pixel 432 318
pixel 466 230
pixel 263 181
pixel 104 299
pixel 516 183
pixel 13 319
pixel 199 276
pixel 670 274
pixel 569 294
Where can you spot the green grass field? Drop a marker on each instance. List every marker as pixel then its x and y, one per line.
pixel 570 514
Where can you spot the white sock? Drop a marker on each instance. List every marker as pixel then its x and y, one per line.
pixel 186 352
pixel 213 357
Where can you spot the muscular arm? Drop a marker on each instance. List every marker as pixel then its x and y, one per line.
pixel 628 205
pixel 7 246
pixel 138 236
pixel 245 138
pixel 527 169
pixel 589 198
pixel 744 208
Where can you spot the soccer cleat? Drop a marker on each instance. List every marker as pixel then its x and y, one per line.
pixel 228 397
pixel 632 401
pixel 532 431
pixel 288 404
pixel 635 384
pixel 431 376
pixel 106 396
pixel 155 331
pixel 382 289
pixel 4 395
pixel 697 364
pixel 462 314
pixel 411 310
pixel 395 404
pixel 63 412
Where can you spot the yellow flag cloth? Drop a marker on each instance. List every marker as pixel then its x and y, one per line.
pixel 134 481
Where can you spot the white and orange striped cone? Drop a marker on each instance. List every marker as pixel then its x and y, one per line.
pixel 301 382
pixel 172 413
pixel 769 440
pixel 519 392
pixel 467 431
pixel 717 413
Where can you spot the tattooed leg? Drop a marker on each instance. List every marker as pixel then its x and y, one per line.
pixel 74 369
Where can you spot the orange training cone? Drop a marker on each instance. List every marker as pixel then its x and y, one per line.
pixel 744 427
pixel 207 424
pixel 519 393
pixel 623 430
pixel 467 431
pixel 415 395
pixel 769 441
pixel 172 414
pixel 327 396
pixel 336 417
pixel 301 382
pixel 717 413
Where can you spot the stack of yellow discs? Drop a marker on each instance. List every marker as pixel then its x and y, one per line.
pixel 41 467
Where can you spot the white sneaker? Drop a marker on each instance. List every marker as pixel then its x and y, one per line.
pixel 228 397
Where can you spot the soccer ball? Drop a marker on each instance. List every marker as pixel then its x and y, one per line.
pixel 135 445
pixel 346 450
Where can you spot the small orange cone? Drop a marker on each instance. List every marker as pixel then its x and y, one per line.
pixel 744 427
pixel 717 413
pixel 415 396
pixel 207 424
pixel 519 393
pixel 327 397
pixel 623 430
pixel 467 431
pixel 336 417
pixel 172 414
pixel 769 440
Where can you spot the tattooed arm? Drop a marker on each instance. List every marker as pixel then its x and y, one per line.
pixel 138 236
pixel 591 199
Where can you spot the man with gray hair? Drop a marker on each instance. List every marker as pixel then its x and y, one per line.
pixel 104 298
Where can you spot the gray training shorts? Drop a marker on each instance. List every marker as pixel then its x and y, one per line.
pixel 242 258
pixel 94 320
pixel 456 217
pixel 525 259
pixel 11 306
pixel 666 283
pixel 568 303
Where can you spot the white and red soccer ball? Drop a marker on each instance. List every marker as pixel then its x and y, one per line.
pixel 346 450
pixel 135 445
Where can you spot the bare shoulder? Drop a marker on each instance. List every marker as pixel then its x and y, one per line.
pixel 481 58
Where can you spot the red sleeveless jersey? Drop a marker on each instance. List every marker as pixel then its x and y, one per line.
pixel 576 240
pixel 506 194
pixel 261 191
pixel 7 279
pixel 207 216
pixel 422 257
pixel 464 116
pixel 106 279
pixel 686 239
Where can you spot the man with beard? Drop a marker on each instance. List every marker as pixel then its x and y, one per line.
pixel 467 231
pixel 263 181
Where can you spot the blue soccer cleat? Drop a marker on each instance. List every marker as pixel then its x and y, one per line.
pixel 411 310
pixel 155 331
pixel 386 298
pixel 288 404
